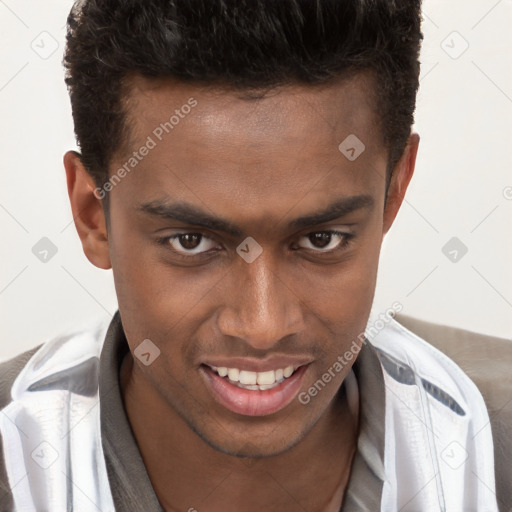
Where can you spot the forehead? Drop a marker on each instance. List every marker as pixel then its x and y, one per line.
pixel 252 154
pixel 294 110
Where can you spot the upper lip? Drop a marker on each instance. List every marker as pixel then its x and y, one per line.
pixel 259 365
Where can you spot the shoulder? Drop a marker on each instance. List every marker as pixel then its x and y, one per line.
pixel 427 388
pixel 437 408
pixel 479 364
pixel 68 348
pixel 486 360
pixel 66 363
pixel 450 357
pixel 402 350
pixel 9 370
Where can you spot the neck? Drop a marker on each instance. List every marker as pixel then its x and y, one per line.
pixel 187 473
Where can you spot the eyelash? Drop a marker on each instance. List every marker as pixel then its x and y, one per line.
pixel 343 245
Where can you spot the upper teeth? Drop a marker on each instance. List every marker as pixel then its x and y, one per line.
pixel 258 379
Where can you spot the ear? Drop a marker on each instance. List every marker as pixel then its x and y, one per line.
pixel 87 209
pixel 400 181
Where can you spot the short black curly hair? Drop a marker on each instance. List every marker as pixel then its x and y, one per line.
pixel 240 44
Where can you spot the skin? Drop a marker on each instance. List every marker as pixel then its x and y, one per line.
pixel 259 164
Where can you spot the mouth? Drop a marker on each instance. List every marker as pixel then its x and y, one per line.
pixel 253 393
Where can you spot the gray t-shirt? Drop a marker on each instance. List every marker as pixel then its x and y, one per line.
pixel 129 482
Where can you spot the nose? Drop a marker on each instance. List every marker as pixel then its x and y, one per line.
pixel 261 307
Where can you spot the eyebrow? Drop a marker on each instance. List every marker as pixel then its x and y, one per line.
pixel 189 214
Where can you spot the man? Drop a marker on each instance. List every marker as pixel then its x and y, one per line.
pixel 240 164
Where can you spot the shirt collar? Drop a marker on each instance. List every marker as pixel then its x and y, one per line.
pixel 129 482
pixel 364 490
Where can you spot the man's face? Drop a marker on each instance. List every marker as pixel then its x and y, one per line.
pixel 268 169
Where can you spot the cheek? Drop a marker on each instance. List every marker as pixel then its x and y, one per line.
pixel 146 282
pixel 342 299
pixel 161 302
pixel 346 288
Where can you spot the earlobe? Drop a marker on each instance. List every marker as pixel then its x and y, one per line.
pixel 400 181
pixel 87 210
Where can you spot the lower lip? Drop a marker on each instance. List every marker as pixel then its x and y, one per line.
pixel 257 402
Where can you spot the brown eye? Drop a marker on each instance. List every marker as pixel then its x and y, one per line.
pixel 325 241
pixel 188 244
pixel 190 240
pixel 321 239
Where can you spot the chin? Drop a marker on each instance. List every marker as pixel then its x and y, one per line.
pixel 267 446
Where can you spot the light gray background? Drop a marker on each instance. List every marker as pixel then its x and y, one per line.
pixel 462 186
